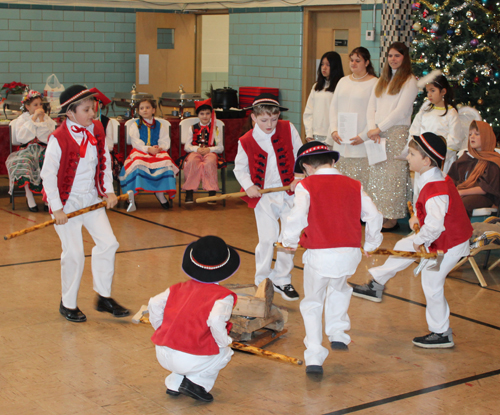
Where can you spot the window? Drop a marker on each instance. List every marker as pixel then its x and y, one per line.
pixel 165 38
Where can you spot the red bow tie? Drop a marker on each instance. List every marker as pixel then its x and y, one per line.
pixel 87 137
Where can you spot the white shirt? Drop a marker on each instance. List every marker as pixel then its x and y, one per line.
pixel 217 148
pixel 390 110
pixel 351 96
pixel 272 177
pixel 433 121
pixel 316 114
pixel 26 129
pixel 84 182
pixel 333 262
pixel 219 315
pixel 137 143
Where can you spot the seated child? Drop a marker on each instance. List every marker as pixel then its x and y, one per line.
pixel 444 226
pixel 265 159
pixel 149 167
pixel 332 236
pixel 477 172
pixel 190 320
pixel 204 145
pixel 32 129
pixel 76 174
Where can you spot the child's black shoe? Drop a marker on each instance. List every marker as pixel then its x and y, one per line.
pixel 195 391
pixel 435 340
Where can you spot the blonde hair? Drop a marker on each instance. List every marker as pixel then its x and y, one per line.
pixel 266 110
pixel 386 82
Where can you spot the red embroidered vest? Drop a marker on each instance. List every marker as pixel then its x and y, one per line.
pixel 334 212
pixel 197 131
pixel 458 228
pixel 70 157
pixel 184 325
pixel 257 158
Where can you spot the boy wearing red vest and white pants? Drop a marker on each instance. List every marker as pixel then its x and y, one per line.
pixel 76 174
pixel 191 320
pixel 265 159
pixel 328 207
pixel 444 225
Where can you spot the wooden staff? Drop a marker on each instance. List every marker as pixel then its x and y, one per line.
pixel 261 352
pixel 124 196
pixel 241 194
pixel 404 254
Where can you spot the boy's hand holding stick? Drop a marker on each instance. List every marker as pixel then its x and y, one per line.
pixel 126 196
pixel 241 194
pixel 421 248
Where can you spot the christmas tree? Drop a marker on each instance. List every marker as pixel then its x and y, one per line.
pixel 461 38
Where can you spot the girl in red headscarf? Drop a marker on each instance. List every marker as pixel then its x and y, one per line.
pixel 477 173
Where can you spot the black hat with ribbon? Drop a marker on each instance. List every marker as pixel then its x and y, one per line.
pixel 72 95
pixel 312 148
pixel 266 99
pixel 210 260
pixel 433 145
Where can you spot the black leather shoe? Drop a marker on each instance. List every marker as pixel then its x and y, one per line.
pixel 189 196
pixel 165 205
pixel 195 391
pixel 110 306
pixel 73 315
pixel 172 392
pixel 32 209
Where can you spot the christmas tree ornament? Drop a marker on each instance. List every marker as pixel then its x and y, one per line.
pixel 474 42
pixel 450 32
pixel 458 31
pixel 480 101
pixel 425 13
pixel 414 41
pixel 448 56
pixel 434 28
pixel 415 6
pixel 452 22
pixel 417 26
pixel 470 15
pixel 476 80
pixel 424 29
pixel 446 71
pixel 497 74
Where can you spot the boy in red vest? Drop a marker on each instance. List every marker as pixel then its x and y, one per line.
pixel 203 146
pixel 77 173
pixel 444 225
pixel 265 159
pixel 190 320
pixel 327 208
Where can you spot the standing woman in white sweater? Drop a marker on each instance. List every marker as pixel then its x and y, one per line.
pixel 389 117
pixel 352 95
pixel 316 114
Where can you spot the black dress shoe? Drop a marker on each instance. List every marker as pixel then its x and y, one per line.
pixel 110 306
pixel 339 346
pixel 73 315
pixel 32 209
pixel 195 391
pixel 172 392
pixel 165 205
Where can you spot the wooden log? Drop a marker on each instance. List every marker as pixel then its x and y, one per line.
pixel 263 337
pixel 240 194
pixel 249 289
pixel 248 325
pixel 265 353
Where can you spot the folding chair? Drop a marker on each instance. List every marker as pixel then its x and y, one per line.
pixel 115 141
pixel 183 138
pixel 14 143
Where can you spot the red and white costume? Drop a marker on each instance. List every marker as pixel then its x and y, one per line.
pixel 332 236
pixel 264 165
pixel 444 225
pixel 191 334
pixel 202 168
pixel 73 181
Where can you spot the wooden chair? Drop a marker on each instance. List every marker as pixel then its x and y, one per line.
pixel 183 138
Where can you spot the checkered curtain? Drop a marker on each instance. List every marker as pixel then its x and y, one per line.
pixel 396 26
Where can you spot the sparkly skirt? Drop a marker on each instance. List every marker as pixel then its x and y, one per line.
pixel 24 167
pixel 356 168
pixel 389 183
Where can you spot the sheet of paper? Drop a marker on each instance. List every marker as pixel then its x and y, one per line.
pixel 376 151
pixel 143 69
pixel 347 126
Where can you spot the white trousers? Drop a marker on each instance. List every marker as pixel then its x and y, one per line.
pixel 335 294
pixel 437 311
pixel 73 256
pixel 202 370
pixel 271 208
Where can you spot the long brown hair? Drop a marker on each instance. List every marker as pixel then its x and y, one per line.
pixel 364 54
pixel 385 82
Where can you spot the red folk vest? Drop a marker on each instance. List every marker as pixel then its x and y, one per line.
pixel 197 130
pixel 70 157
pixel 334 212
pixel 458 228
pixel 184 325
pixel 257 158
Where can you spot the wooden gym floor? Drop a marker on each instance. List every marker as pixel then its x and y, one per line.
pixel 108 366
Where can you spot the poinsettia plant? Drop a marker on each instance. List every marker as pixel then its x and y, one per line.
pixel 13 88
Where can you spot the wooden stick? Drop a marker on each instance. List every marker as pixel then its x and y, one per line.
pixel 241 194
pixel 404 254
pixel 124 196
pixel 261 352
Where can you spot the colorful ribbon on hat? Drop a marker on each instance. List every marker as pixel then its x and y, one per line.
pixel 87 137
